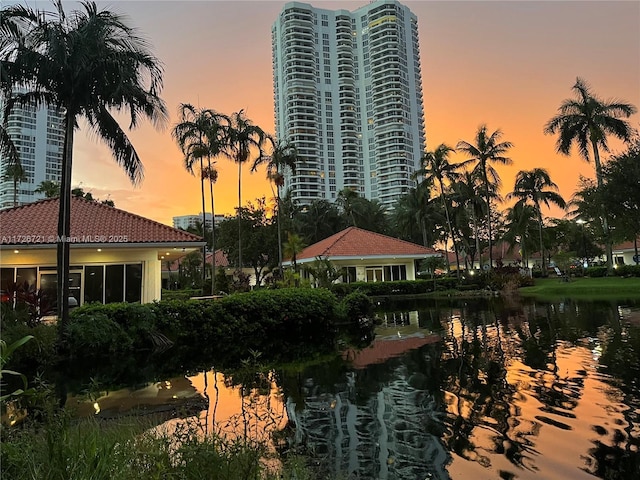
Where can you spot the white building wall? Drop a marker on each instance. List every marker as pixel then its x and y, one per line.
pixel 186 221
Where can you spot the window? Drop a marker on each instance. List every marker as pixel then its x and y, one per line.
pixel 349 274
pixel 395 273
pixel 28 276
pixel 94 284
pixel 374 274
pixel 133 283
pixel 114 283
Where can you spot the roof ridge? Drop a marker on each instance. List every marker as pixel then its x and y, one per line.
pixel 340 236
pixel 388 236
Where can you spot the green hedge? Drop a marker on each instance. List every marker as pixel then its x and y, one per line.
pixel 283 323
pixel 627 271
pixel 596 272
pixel 185 294
pixel 403 287
pixel 620 271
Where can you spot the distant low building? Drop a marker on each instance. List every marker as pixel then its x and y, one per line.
pixel 366 256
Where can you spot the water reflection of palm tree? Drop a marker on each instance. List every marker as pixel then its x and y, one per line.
pixel 482 390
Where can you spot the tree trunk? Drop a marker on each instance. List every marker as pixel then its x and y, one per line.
pixel 239 207
pixel 475 232
pixel 453 240
pixel 544 261
pixel 204 227
pixel 605 217
pixel 213 232
pixel 279 229
pixel 489 227
pixel 64 227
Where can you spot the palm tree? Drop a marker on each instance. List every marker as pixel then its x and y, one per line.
pixel 50 188
pixel 200 134
pixel 14 170
pixel 521 219
pixel 417 209
pixel 211 173
pixel 242 137
pixel 319 220
pixel 487 149
pixel 15 173
pixel 7 147
pixel 436 168
pixel 587 121
pixel 85 64
pixel 345 200
pixel 283 155
pixel 467 191
pixel 292 248
pixel 535 186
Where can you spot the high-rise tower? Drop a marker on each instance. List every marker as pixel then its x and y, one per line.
pixel 38 135
pixel 348 95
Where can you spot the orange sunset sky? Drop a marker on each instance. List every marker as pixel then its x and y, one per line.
pixel 507 64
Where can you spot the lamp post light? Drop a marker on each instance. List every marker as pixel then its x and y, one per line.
pixel 585 260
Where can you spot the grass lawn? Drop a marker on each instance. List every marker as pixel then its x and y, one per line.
pixel 587 288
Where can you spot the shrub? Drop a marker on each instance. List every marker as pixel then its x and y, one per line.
pixel 35 355
pixel 282 323
pixel 356 306
pixel 401 287
pixel 93 333
pixel 181 294
pixel 627 271
pixel 596 272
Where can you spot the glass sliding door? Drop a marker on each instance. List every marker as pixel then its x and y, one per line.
pixel 114 284
pixel 49 287
pixel 94 283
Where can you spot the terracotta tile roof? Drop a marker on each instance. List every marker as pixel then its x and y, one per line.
pixel 383 349
pixel 626 245
pixel 356 242
pixel 91 222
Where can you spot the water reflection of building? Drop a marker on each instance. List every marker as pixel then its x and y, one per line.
pixel 393 433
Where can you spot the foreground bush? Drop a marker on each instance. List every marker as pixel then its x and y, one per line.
pixel 132 449
pixel 284 323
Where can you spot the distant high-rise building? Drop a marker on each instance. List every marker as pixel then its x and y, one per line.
pixel 191 221
pixel 348 95
pixel 38 135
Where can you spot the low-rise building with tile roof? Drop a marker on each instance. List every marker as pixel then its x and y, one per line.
pixel 366 256
pixel 115 255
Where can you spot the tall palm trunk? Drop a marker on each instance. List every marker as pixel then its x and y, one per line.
pixel 605 217
pixel 544 260
pixel 279 229
pixel 64 227
pixel 476 232
pixel 15 191
pixel 489 231
pixel 453 240
pixel 239 207
pixel 204 227
pixel 213 231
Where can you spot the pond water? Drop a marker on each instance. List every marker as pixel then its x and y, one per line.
pixel 469 389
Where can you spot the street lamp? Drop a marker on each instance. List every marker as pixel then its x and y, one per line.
pixel 585 262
